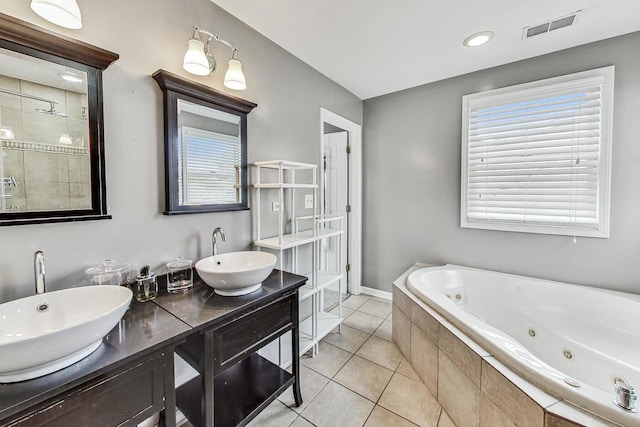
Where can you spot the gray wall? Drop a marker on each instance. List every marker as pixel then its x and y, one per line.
pixel 412 180
pixel 149 35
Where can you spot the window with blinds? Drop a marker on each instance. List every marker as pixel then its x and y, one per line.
pixel 209 167
pixel 536 157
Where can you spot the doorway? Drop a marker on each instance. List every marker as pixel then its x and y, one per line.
pixel 341 190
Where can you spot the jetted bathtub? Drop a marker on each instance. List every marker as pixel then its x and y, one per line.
pixel 572 340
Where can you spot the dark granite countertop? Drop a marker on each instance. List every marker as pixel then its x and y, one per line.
pixel 201 308
pixel 145 329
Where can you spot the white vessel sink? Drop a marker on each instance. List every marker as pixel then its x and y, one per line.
pixel 44 333
pixel 236 273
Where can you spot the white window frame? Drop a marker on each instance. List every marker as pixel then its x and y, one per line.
pixel 604 178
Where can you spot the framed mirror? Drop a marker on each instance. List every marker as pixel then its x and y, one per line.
pixel 205 147
pixel 51 132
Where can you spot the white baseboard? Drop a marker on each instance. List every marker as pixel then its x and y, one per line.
pixel 376 292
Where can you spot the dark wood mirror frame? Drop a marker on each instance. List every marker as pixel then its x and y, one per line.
pixel 28 39
pixel 173 88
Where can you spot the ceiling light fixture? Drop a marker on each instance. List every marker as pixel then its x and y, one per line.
pixel 199 61
pixel 478 39
pixel 64 13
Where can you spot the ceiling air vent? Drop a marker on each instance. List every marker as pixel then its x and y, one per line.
pixel 561 22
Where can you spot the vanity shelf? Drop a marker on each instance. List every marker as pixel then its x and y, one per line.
pixel 237 400
pixel 300 243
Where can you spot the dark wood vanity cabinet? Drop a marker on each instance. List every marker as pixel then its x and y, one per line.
pixel 235 383
pixel 239 382
pixel 126 380
pixel 127 397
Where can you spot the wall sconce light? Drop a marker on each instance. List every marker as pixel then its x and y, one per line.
pixel 65 13
pixel 199 61
pixel 6 133
pixel 65 139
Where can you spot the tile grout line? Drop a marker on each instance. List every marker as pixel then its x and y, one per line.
pixel 352 355
pixel 394 371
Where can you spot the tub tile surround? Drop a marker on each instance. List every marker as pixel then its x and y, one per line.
pixel 463 357
pixel 401 330
pixel 490 415
pixel 515 403
pixel 472 386
pixel 424 354
pixel 425 323
pixel 457 394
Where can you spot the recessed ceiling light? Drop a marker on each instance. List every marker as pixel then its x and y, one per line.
pixel 71 77
pixel 478 39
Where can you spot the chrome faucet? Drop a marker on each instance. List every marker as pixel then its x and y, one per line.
pixel 625 395
pixel 220 231
pixel 38 272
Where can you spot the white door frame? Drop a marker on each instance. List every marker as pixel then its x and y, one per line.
pixel 355 191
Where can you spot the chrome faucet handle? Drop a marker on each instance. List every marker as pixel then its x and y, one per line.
pixel 625 395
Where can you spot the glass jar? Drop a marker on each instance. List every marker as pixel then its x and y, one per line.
pixel 180 275
pixel 109 273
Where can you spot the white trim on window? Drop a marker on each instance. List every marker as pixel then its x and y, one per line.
pixel 536 157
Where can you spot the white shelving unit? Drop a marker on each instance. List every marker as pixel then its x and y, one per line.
pixel 304 240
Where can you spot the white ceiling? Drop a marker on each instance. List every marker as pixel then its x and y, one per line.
pixel 375 47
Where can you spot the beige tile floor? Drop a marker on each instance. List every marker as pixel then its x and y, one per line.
pixel 359 378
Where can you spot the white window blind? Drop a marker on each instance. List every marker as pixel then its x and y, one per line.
pixel 211 167
pixel 536 156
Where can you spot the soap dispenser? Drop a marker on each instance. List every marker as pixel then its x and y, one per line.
pixel 146 286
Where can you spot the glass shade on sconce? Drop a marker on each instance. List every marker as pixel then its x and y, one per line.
pixel 234 78
pixel 65 139
pixel 64 13
pixel 6 133
pixel 195 60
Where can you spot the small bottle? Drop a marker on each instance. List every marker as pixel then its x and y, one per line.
pixel 180 275
pixel 146 286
